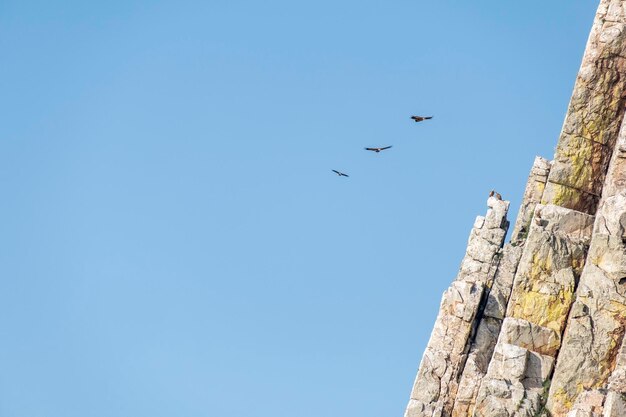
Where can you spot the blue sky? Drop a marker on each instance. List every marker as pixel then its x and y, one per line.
pixel 174 242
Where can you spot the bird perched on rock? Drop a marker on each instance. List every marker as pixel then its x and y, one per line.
pixel 377 149
pixel 495 194
pixel 421 118
pixel 341 174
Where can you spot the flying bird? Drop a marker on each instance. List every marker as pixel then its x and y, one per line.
pixel 421 118
pixel 377 149
pixel 341 174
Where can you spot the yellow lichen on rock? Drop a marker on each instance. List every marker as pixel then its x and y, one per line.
pixel 547 310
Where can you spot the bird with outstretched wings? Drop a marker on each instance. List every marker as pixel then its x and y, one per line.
pixel 341 174
pixel 421 118
pixel 377 149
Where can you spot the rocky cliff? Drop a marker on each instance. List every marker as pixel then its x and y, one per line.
pixel 535 327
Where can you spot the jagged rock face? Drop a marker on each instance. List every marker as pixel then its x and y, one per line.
pixel 592 348
pixel 436 383
pixel 542 294
pixel 535 328
pixel 532 196
pixel 594 115
pixel 486 335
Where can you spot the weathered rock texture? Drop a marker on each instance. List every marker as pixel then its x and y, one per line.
pixel 594 115
pixel 536 327
pixel 445 356
pixel 532 196
pixel 543 292
pixel 591 357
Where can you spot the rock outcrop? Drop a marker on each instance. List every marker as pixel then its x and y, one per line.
pixel 535 327
pixel 445 356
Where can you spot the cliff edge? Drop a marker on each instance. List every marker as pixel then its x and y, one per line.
pixel 535 327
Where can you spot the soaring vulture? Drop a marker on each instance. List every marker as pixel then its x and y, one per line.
pixel 421 118
pixel 377 149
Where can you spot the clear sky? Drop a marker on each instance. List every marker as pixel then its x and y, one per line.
pixel 173 241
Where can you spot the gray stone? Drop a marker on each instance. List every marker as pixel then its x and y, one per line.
pixel 592 351
pixel 436 384
pixel 535 186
